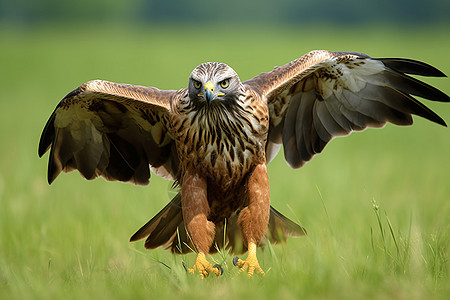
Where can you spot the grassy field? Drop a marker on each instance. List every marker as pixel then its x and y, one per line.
pixel 376 204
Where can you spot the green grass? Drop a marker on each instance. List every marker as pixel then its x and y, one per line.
pixel 376 204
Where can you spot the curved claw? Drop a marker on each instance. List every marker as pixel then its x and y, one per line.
pixel 218 267
pixel 204 267
pixel 235 261
pixel 251 262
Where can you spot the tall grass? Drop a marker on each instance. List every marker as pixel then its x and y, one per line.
pixel 395 246
pixel 70 239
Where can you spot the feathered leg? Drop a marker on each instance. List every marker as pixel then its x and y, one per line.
pixel 254 218
pixel 195 209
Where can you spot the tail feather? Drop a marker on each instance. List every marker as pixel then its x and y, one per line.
pixel 280 227
pixel 167 229
pixel 161 228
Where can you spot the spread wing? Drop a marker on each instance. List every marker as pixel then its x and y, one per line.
pixel 327 94
pixel 112 130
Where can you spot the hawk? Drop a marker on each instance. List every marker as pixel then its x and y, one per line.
pixel 215 138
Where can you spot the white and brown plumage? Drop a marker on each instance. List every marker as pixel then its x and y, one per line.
pixel 215 138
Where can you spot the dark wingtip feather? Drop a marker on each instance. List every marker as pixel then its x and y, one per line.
pixel 438 120
pixel 138 235
pixel 47 136
pixel 410 66
pixel 419 109
pixel 413 86
pixel 53 170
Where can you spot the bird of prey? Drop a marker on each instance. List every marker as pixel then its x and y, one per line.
pixel 215 138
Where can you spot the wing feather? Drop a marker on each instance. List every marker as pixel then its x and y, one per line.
pixel 328 121
pixel 409 66
pixel 289 132
pixel 117 131
pixel 304 116
pixel 326 94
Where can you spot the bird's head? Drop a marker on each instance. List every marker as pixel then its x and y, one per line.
pixel 214 81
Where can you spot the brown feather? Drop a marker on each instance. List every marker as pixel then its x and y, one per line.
pixel 326 94
pixel 215 138
pixel 108 129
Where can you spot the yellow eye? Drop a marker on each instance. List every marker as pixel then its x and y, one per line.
pixel 225 83
pixel 197 84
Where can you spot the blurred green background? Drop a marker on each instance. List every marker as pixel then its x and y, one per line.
pixel 248 12
pixel 70 239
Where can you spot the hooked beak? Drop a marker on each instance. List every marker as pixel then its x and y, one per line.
pixel 209 91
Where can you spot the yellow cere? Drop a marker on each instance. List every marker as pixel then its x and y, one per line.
pixel 209 86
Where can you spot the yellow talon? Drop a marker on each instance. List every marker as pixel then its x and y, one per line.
pixel 251 262
pixel 204 267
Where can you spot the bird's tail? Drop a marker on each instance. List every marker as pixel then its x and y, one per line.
pixel 167 229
